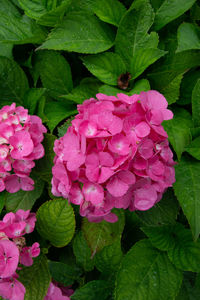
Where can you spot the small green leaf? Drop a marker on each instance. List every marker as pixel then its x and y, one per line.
pixel 43 167
pixel 93 290
pixel 55 73
pixel 36 279
pixel 63 273
pixel 164 212
pixel 22 199
pixel 178 130
pixel 147 274
pixel 58 111
pixel 13 82
pixel 172 90
pixel 108 259
pixel 83 252
pixel 2 200
pixel 110 11
pixel 87 89
pixel 63 128
pixel 187 85
pixel 56 222
pixel 196 104
pixel 107 66
pixel 188 37
pixel 187 190
pixel 99 235
pixel 194 148
pixel 170 10
pixel 81 33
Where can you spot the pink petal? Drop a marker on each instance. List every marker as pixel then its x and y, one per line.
pixel 119 144
pixel 142 129
pixel 145 198
pixel 12 183
pixel 9 251
pixel 93 193
pixel 117 187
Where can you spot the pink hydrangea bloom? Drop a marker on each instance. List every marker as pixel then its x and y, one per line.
pixel 9 258
pixel 115 155
pixel 56 293
pixel 12 289
pixel 20 144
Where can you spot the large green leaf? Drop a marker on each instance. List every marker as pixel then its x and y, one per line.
pixel 172 90
pixel 178 130
pixel 188 37
pixel 63 273
pixel 194 148
pixel 58 111
pixel 99 235
pixel 17 29
pixel 164 212
pixel 187 190
pixel 88 88
pixel 187 85
pixel 110 11
pixel 22 199
pixel 108 259
pixel 93 290
pixel 83 252
pixel 6 49
pixel 32 98
pixel 132 32
pixel 56 222
pixel 146 273
pixel 44 166
pixel 107 66
pixel 46 13
pixel 172 66
pixel 55 73
pixel 188 292
pixel 36 279
pixel 196 104
pixel 13 81
pixel 81 33
pixel 170 10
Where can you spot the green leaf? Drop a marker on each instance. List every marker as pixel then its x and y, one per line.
pixel 81 33
pixel 36 279
pixel 83 252
pixel 110 11
pixel 58 111
pixel 194 148
pixel 161 237
pixel 93 290
pixel 46 13
pixel 13 82
pixel 56 222
pixel 164 212
pixel 196 104
pixel 170 10
pixel 108 259
pixel 32 98
pixel 63 273
pixel 147 274
pixel 188 292
pixel 6 50
pixel 172 90
pixel 185 254
pixel 132 32
pixel 188 37
pixel 178 130
pixel 2 200
pixel 107 66
pixel 87 89
pixel 63 128
pixel 17 29
pixel 43 167
pixel 143 59
pixel 55 73
pixel 187 86
pixel 99 235
pixel 187 190
pixel 22 199
pixel 163 73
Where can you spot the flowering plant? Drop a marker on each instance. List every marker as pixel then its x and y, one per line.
pixel 115 154
pixel 20 144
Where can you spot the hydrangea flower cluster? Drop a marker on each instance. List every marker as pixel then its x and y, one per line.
pixel 20 144
pixel 115 155
pixel 13 250
pixel 58 292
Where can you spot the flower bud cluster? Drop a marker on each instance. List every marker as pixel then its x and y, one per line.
pixel 115 155
pixel 20 144
pixel 13 251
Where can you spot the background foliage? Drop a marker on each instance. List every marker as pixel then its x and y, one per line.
pixel 55 54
